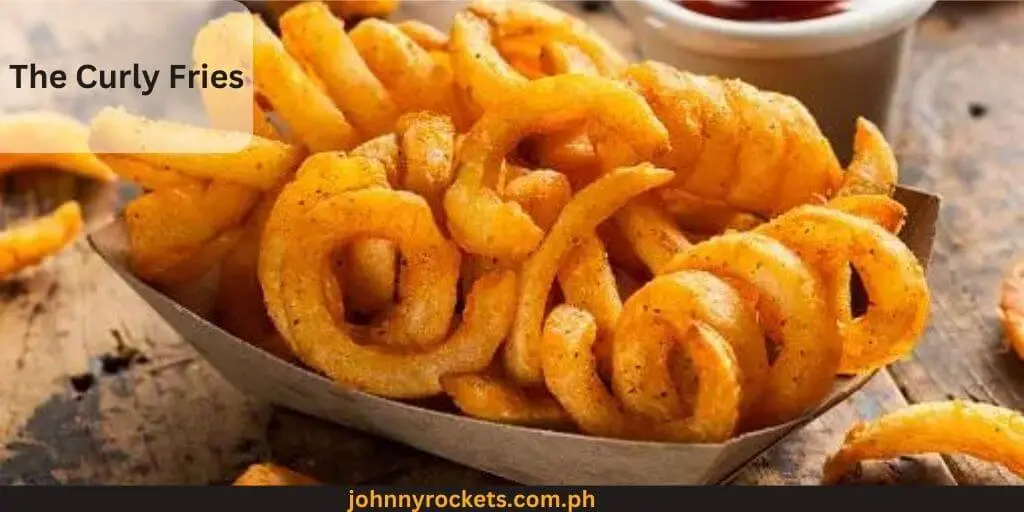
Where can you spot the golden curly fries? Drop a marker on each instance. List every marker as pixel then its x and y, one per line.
pixel 984 431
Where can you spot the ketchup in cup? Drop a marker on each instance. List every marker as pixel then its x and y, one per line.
pixel 767 10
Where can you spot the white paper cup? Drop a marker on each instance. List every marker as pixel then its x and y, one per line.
pixel 841 66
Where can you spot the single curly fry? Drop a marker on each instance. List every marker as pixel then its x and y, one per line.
pixel 44 140
pixel 491 398
pixel 28 244
pixel 316 38
pixel 783 161
pixel 984 431
pixel 874 169
pixel 898 299
pixel 310 321
pixel 426 287
pixel 193 151
pixel 570 372
pixel 792 310
pixel 578 220
pixel 1011 308
pixel 648 332
pixel 478 218
pixel 321 176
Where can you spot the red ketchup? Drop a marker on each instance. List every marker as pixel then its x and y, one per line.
pixel 767 10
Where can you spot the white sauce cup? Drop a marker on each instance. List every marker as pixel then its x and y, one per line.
pixel 841 66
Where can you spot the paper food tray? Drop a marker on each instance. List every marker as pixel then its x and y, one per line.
pixel 524 455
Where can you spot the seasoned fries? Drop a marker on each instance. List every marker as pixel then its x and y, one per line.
pixel 515 217
pixel 26 245
pixel 984 431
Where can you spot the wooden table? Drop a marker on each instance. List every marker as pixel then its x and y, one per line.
pixel 73 413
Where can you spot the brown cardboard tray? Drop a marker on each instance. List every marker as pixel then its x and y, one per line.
pixel 524 455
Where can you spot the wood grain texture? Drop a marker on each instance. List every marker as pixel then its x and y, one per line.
pixel 168 418
pixel 962 138
pixel 72 413
pixel 798 459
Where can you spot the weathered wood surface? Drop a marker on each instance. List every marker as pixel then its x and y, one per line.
pixel 167 418
pixel 963 126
